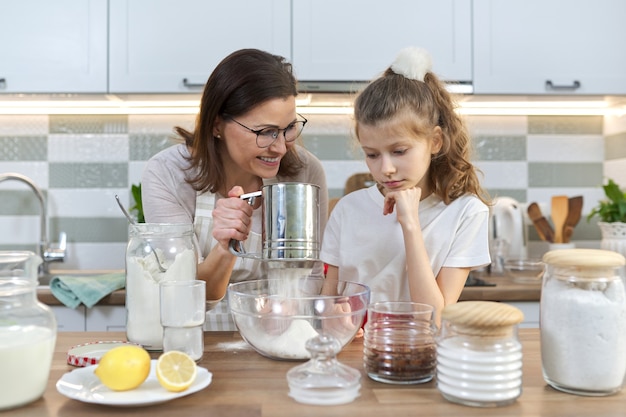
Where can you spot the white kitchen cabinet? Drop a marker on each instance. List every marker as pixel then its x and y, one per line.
pixel 69 319
pixel 549 47
pixel 172 46
pixel 106 319
pixel 530 310
pixel 53 46
pixel 355 40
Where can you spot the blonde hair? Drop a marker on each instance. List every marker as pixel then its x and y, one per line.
pixel 428 104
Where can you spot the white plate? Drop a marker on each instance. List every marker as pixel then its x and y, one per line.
pixel 83 385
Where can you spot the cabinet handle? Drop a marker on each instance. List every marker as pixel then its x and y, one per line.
pixel 3 83
pixel 575 86
pixel 187 84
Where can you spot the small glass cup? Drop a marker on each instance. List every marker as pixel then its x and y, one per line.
pixel 182 316
pixel 399 344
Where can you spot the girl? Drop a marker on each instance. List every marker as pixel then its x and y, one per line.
pixel 417 149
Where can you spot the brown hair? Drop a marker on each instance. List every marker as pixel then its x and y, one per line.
pixel 429 104
pixel 241 81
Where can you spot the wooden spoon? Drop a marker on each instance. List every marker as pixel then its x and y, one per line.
pixel 541 223
pixel 560 208
pixel 574 210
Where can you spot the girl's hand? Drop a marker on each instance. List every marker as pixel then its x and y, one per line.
pixel 232 218
pixel 406 203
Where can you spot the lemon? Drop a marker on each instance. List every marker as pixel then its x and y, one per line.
pixel 175 371
pixel 124 367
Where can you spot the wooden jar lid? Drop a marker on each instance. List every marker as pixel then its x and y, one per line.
pixel 482 317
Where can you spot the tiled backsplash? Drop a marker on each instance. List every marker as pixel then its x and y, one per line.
pixel 82 161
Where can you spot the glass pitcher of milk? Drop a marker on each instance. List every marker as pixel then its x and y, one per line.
pixel 27 331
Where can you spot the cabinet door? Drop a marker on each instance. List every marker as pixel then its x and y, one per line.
pixel 355 40
pixel 554 47
pixel 106 319
pixel 172 46
pixel 69 319
pixel 55 46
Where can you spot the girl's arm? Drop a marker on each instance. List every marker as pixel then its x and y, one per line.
pixel 424 287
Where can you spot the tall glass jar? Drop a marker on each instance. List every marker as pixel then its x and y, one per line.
pixel 156 252
pixel 399 342
pixel 479 356
pixel 28 331
pixel 583 321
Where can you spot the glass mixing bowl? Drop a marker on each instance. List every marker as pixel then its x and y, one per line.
pixel 277 316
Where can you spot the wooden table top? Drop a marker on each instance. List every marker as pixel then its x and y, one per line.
pixel 248 384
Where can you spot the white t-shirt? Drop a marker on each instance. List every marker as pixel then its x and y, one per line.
pixel 368 247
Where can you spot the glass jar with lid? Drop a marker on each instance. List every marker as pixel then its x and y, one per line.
pixel 28 331
pixel 155 252
pixel 479 356
pixel 399 342
pixel 583 321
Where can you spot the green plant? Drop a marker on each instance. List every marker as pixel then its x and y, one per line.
pixel 613 209
pixel 138 207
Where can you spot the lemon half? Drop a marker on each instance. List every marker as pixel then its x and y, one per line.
pixel 124 367
pixel 175 371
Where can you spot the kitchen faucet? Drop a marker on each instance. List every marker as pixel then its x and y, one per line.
pixel 48 253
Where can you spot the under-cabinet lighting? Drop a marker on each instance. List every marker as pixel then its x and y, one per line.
pixel 115 105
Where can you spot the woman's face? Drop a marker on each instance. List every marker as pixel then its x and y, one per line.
pixel 399 159
pixel 243 156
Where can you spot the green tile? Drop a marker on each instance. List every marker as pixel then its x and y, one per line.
pixel 615 146
pixel 89 123
pixel 579 175
pixel 499 148
pixel 332 147
pixel 515 193
pixel 143 146
pixel 572 125
pixel 19 203
pixel 90 230
pixel 23 148
pixel 88 175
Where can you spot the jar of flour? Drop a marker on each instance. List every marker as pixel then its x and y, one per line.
pixel 155 252
pixel 583 321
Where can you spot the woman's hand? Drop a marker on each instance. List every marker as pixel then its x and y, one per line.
pixel 232 218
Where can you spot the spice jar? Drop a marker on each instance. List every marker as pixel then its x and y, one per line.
pixel 479 357
pixel 155 253
pixel 399 342
pixel 27 331
pixel 583 321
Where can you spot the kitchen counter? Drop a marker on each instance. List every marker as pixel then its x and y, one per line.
pixel 505 290
pixel 248 384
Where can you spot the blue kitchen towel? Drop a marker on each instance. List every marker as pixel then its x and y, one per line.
pixel 73 290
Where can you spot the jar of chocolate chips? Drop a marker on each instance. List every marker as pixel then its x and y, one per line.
pixel 479 356
pixel 399 343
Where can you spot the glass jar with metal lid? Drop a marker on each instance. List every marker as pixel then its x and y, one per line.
pixel 479 356
pixel 583 321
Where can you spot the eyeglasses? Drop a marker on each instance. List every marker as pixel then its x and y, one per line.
pixel 267 136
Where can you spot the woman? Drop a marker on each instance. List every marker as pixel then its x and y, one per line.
pixel 244 137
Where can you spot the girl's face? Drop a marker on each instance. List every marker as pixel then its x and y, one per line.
pixel 399 159
pixel 243 156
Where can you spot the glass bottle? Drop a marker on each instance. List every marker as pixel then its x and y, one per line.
pixel 155 252
pixel 479 356
pixel 399 342
pixel 28 331
pixel 583 321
